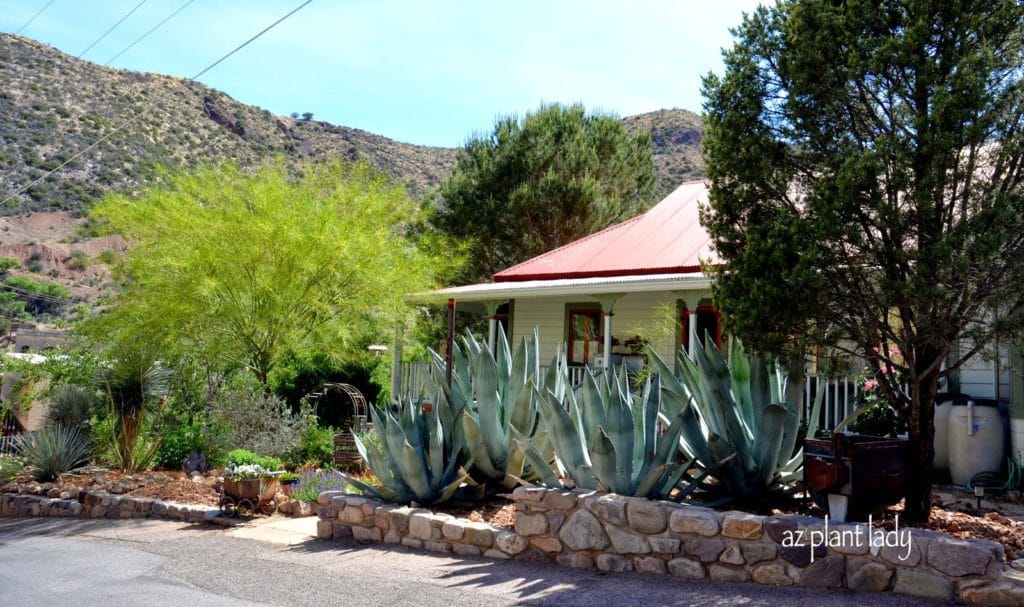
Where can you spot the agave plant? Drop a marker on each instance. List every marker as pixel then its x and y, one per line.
pixel 496 396
pixel 54 450
pixel 741 420
pixel 610 439
pixel 418 456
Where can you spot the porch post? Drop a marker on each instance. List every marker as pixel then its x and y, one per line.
pixel 492 323
pixel 607 305
pixel 449 342
pixel 396 364
pixel 692 301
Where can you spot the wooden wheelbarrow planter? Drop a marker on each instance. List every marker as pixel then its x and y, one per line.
pixel 868 471
pixel 245 497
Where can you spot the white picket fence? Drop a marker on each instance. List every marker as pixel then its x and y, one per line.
pixel 9 445
pixel 839 399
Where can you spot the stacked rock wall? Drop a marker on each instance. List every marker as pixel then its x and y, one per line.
pixel 614 533
pixel 100 504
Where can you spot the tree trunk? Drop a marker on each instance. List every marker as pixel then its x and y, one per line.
pixel 922 436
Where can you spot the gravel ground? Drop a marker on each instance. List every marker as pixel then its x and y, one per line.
pixel 100 562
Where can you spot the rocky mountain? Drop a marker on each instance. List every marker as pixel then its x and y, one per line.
pixel 53 105
pixel 675 145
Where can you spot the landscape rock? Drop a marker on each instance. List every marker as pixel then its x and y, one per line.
pixel 694 520
pixel 510 543
pixel 608 507
pixel 925 585
pixel 613 562
pixel 625 541
pixel 583 532
pixel 576 560
pixel 648 564
pixel 743 526
pixel 864 575
pixel 995 595
pixel 646 516
pixel 686 568
pixel 772 574
pixel 959 557
pixel 561 500
pixel 707 550
pixel 531 524
pixel 723 573
pixel 664 545
pixel 759 551
pixel 825 573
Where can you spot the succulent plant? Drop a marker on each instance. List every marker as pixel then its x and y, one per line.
pixel 609 439
pixel 54 450
pixel 194 462
pixel 741 420
pixel 419 457
pixel 497 398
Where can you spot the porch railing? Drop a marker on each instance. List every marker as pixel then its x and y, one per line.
pixel 839 399
pixel 9 445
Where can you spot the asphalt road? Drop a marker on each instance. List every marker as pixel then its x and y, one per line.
pixel 155 563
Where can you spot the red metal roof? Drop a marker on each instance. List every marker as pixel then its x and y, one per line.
pixel 667 238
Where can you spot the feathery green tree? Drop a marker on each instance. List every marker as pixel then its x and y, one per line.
pixel 247 267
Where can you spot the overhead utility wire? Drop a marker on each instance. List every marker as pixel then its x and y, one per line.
pixel 139 115
pixel 42 296
pixel 34 16
pixel 143 36
pixel 112 28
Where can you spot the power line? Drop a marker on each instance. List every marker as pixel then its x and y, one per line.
pixel 34 16
pixel 139 115
pixel 143 36
pixel 112 28
pixel 41 296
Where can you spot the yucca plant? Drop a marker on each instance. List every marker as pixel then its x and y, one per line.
pixel 136 385
pixel 496 395
pixel 70 405
pixel 741 421
pixel 419 455
pixel 609 439
pixel 54 450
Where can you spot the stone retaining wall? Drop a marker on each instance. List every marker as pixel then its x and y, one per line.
pixel 613 533
pixel 100 504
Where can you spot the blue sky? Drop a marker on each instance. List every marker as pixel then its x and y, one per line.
pixel 428 72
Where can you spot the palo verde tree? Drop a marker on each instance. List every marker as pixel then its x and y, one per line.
pixel 866 164
pixel 249 267
pixel 541 181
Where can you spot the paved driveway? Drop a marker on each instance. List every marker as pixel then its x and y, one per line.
pixel 154 563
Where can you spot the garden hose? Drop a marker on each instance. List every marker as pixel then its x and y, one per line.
pixel 994 482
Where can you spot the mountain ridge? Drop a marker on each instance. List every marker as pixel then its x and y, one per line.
pixel 53 105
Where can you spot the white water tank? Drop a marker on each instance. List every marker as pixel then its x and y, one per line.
pixel 941 442
pixel 975 441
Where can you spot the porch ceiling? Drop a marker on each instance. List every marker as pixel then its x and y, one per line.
pixel 691 281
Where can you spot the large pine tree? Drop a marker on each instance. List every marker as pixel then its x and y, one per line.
pixel 866 159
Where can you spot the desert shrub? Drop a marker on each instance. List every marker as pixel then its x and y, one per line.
pixel 313 482
pixel 316 445
pixel 70 405
pixel 244 457
pixel 8 263
pixel 79 260
pixel 10 467
pixel 55 450
pixel 182 436
pixel 257 421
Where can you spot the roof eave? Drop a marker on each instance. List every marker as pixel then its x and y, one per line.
pixel 633 283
